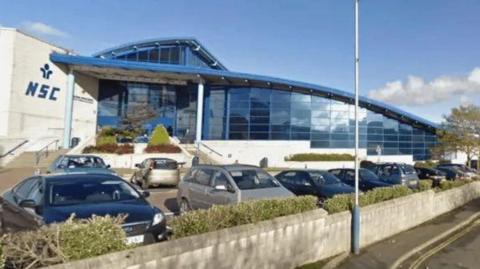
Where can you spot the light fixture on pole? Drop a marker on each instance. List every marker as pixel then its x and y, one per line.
pixel 356 207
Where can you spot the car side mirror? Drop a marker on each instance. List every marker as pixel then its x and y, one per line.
pixel 138 165
pixel 146 194
pixel 109 166
pixel 28 204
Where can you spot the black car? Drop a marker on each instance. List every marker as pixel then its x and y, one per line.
pixel 313 182
pixel 367 179
pixel 451 173
pixel 41 200
pixel 435 175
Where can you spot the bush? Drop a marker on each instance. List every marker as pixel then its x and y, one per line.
pixel 345 202
pixel 162 149
pixel 106 140
pixel 425 185
pixel 450 184
pixel 224 216
pixel 59 243
pixel 310 157
pixel 159 136
pixel 426 164
pixel 110 148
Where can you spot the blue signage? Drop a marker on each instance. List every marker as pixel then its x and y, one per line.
pixel 43 91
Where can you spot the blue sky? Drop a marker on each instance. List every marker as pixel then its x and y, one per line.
pixel 427 51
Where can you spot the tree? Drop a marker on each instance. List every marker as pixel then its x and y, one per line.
pixel 460 131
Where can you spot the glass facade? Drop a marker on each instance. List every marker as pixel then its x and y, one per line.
pixel 175 106
pixel 266 114
pixel 239 113
pixel 164 54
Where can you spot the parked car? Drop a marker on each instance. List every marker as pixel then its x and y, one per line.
pixel 79 163
pixel 313 182
pixel 207 185
pixel 141 139
pixel 451 173
pixel 41 200
pixel 367 179
pixel 396 173
pixel 435 175
pixel 463 170
pixel 156 172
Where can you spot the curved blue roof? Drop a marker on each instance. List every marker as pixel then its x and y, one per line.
pixel 249 79
pixel 189 41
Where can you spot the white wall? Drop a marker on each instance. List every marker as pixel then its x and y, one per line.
pixel 7 37
pixel 32 117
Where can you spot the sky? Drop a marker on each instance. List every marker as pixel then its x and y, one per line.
pixel 422 56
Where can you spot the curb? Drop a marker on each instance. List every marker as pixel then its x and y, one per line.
pixel 336 261
pixel 434 240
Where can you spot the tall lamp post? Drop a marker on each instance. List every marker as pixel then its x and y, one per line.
pixel 356 207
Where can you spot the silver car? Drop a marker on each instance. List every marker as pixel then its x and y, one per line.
pixel 156 172
pixel 207 185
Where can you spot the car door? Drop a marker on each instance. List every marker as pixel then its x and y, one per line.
pixel 216 196
pixel 14 217
pixel 303 184
pixel 201 183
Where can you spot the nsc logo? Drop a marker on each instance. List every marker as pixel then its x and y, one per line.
pixel 44 91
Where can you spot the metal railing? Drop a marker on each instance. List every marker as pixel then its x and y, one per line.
pixel 43 152
pixel 212 150
pixel 14 149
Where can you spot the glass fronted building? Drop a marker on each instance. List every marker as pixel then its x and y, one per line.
pixel 197 98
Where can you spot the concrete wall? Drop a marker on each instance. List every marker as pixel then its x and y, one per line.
pixel 289 241
pixel 30 116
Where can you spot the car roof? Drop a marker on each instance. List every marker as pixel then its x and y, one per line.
pixel 78 176
pixel 79 156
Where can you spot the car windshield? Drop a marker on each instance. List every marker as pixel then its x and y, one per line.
pixel 408 169
pixel 164 164
pixel 321 178
pixel 249 179
pixel 367 175
pixel 82 162
pixel 86 191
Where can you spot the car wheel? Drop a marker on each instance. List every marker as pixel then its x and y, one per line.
pixel 184 206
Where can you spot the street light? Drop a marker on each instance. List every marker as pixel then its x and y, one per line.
pixel 356 207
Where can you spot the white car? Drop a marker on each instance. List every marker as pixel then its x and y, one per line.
pixel 156 172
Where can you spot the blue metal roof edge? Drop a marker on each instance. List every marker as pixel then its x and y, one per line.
pixel 153 67
pixel 153 40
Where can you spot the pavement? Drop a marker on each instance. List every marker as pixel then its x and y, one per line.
pixel 385 253
pixel 163 198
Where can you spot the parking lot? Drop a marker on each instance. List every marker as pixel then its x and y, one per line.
pixel 163 198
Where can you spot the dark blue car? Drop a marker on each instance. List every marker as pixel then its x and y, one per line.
pixel 41 200
pixel 367 179
pixel 313 182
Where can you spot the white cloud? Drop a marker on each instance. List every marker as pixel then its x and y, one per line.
pixel 416 91
pixel 41 28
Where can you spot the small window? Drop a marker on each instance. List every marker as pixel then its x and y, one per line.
pixel 288 177
pixel 301 179
pixel 350 175
pixel 336 172
pixel 220 179
pixel 203 176
pixel 23 188
pixel 36 192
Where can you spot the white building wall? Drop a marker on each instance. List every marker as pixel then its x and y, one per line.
pixel 7 38
pixel 34 117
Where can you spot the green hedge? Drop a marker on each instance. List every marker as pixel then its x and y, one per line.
pixel 159 136
pixel 425 185
pixel 311 157
pixel 60 243
pixel 450 184
pixel 106 140
pixel 224 216
pixel 345 202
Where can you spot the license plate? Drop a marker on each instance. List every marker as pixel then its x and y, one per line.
pixel 138 239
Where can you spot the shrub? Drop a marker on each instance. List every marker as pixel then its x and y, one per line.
pixel 162 149
pixel 159 136
pixel 425 185
pixel 106 140
pixel 345 202
pixel 309 157
pixel 110 148
pixel 225 216
pixel 426 164
pixel 450 184
pixel 59 243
